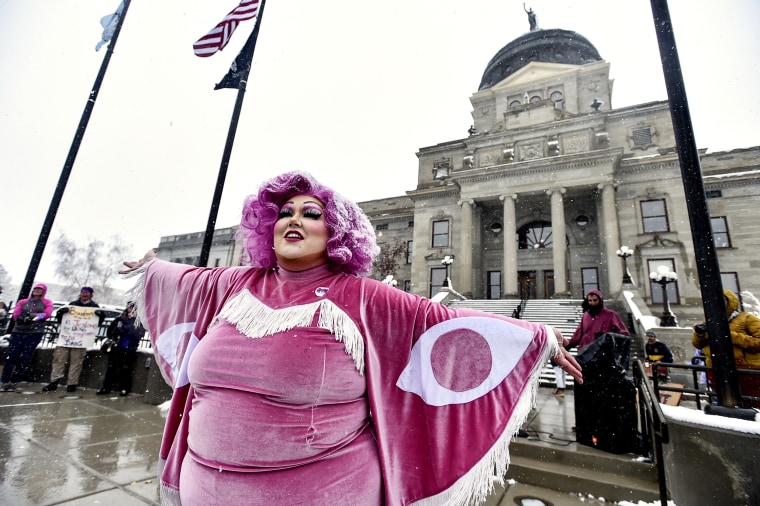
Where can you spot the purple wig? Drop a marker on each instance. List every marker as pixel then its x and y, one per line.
pixel 351 245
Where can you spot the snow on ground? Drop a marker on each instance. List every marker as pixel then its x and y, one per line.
pixel 683 414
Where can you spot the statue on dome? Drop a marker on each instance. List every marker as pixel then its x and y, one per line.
pixel 532 18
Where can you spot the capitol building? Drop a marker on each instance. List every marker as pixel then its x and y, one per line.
pixel 548 185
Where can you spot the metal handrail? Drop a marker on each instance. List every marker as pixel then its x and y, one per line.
pixel 696 390
pixel 517 312
pixel 653 423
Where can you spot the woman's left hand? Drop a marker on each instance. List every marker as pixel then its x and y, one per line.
pixel 565 360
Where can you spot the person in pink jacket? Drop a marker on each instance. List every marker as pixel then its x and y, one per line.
pixel 298 381
pixel 596 320
pixel 29 317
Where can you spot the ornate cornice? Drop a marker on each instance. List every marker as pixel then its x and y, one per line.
pixel 504 171
pixel 628 167
pixel 730 183
pixel 433 193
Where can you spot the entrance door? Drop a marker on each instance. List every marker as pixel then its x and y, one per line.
pixel 548 284
pixel 527 282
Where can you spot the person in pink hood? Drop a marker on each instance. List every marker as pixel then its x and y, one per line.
pixel 29 317
pixel 296 381
pixel 596 320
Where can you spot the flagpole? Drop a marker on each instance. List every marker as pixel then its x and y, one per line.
pixel 248 48
pixel 39 249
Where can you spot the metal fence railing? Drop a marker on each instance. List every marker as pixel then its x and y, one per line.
pixel 700 388
pixel 50 338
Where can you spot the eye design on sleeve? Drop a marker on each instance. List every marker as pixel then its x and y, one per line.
pixel 169 343
pixel 462 359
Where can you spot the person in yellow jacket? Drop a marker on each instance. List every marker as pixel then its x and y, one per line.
pixel 745 336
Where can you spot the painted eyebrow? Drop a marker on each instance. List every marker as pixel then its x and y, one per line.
pixel 307 202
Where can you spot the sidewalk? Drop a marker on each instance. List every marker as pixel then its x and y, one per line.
pixel 77 449
pixel 82 449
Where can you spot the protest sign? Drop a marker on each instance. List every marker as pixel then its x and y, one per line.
pixel 79 327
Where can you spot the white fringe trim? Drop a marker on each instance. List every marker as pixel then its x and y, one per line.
pixel 137 293
pixel 169 496
pixel 475 486
pixel 255 320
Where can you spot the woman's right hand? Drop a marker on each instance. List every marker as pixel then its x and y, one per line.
pixel 133 266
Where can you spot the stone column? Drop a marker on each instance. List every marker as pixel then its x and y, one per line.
pixel 509 262
pixel 610 238
pixel 560 240
pixel 463 262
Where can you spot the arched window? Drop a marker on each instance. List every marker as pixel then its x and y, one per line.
pixel 534 99
pixel 514 103
pixel 558 99
pixel 535 235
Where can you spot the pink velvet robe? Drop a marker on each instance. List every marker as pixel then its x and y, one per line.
pixel 323 388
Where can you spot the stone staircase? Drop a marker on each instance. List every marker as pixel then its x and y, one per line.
pixel 579 469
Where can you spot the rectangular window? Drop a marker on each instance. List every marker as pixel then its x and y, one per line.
pixel 720 232
pixel 437 279
pixel 409 251
pixel 714 194
pixel 642 136
pixel 440 234
pixel 382 226
pixel 494 285
pixel 590 279
pixel 730 281
pixel 656 288
pixel 408 285
pixel 654 215
pixel 217 261
pixel 410 224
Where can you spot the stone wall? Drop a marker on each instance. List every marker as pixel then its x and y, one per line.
pixel 146 381
pixel 712 465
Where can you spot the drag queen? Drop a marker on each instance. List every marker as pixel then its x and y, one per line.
pixel 296 381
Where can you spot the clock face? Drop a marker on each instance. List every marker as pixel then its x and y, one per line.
pixel 485 110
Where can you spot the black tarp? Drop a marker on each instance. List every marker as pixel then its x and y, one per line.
pixel 605 404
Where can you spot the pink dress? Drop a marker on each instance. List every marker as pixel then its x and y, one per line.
pixel 323 388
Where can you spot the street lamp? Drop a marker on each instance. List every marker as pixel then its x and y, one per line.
pixel 447 261
pixel 389 280
pixel 663 276
pixel 624 252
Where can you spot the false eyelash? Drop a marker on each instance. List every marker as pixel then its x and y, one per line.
pixel 312 213
pixel 285 213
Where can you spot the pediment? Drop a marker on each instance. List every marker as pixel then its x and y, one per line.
pixel 534 72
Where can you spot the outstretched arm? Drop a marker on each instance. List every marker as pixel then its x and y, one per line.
pixel 565 360
pixel 133 266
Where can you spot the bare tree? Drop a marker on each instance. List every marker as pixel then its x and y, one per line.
pixel 91 265
pixel 5 280
pixel 387 261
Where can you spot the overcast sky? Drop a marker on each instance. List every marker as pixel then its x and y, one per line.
pixel 346 90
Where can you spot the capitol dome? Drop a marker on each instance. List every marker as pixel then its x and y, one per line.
pixel 549 46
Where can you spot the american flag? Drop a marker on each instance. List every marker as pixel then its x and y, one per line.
pixel 219 36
